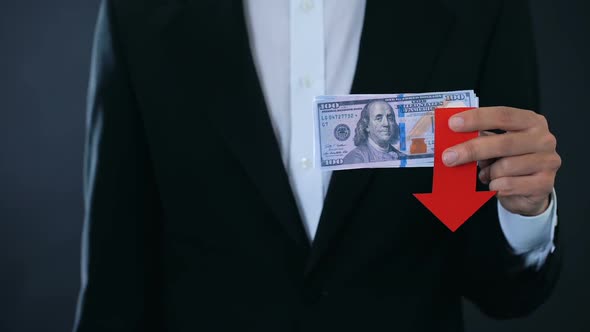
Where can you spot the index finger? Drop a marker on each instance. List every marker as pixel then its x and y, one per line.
pixel 491 118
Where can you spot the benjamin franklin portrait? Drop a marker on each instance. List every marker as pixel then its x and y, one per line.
pixel 375 134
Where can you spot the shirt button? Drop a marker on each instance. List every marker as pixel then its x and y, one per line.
pixel 305 163
pixel 307 5
pixel 306 82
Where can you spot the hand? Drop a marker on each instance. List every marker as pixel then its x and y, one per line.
pixel 520 164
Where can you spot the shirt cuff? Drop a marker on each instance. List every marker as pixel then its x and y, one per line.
pixel 533 236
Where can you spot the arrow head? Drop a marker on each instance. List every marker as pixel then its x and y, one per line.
pixel 453 209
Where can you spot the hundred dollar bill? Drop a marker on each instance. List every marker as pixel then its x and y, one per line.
pixel 380 131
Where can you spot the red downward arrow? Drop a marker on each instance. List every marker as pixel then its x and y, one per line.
pixel 453 199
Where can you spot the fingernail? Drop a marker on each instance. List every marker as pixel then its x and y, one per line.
pixel 483 176
pixel 456 122
pixel 449 157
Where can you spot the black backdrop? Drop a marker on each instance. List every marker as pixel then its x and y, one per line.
pixel 44 59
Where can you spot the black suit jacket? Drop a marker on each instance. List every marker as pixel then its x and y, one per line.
pixel 191 224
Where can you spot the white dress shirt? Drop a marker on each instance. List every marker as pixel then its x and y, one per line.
pixel 306 48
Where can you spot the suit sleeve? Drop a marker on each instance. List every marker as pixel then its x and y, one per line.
pixel 120 263
pixel 491 275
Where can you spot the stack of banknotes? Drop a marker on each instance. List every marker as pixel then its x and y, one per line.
pixel 380 131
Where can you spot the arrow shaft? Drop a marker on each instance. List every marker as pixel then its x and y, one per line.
pixel 451 179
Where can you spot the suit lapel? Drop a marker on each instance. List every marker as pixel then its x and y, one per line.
pixel 215 32
pixel 400 42
pixel 252 138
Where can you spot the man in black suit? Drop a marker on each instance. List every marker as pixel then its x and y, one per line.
pixel 186 236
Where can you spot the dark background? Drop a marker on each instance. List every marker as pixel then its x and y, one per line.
pixel 44 59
